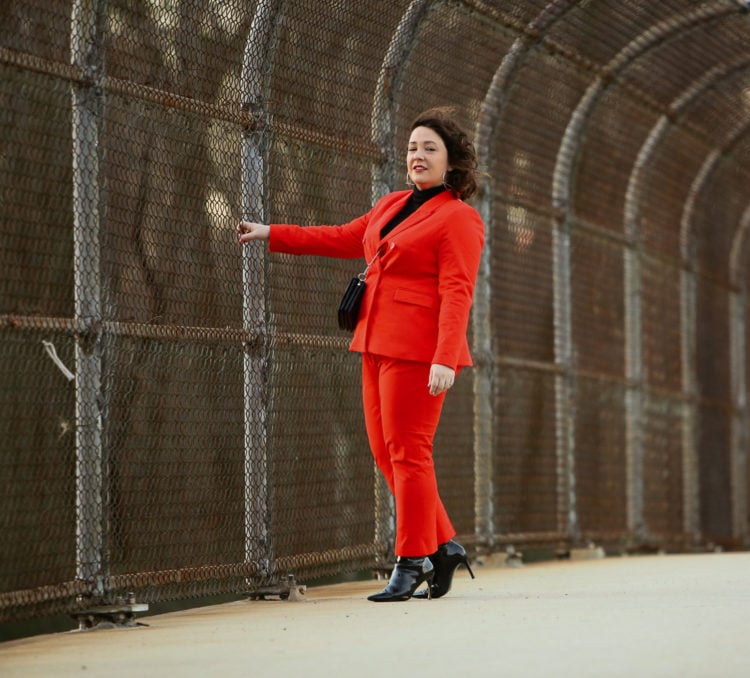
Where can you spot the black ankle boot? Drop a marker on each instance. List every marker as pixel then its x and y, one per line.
pixel 408 574
pixel 446 559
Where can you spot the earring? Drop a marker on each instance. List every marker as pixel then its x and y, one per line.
pixel 445 183
pixel 409 182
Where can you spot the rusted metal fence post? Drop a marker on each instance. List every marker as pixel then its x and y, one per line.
pixel 563 325
pixel 87 107
pixel 254 158
pixel 740 437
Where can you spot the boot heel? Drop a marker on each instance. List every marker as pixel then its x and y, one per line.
pixel 446 560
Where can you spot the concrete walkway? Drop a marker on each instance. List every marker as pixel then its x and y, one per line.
pixel 664 616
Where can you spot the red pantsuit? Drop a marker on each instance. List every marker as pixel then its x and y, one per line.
pixel 414 314
pixel 401 417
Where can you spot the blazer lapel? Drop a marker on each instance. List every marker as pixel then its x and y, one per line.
pixel 392 205
pixel 393 209
pixel 420 215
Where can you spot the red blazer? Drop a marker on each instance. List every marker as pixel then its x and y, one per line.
pixel 419 291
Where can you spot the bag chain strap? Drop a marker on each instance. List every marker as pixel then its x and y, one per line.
pixel 380 252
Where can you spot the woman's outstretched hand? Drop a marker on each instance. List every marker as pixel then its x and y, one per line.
pixel 248 230
pixel 441 378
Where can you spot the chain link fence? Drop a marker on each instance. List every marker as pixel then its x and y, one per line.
pixel 179 417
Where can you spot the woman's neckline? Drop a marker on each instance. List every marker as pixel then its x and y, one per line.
pixel 420 196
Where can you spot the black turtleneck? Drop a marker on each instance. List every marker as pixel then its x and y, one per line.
pixel 415 201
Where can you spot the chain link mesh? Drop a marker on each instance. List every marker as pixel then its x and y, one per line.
pixel 180 417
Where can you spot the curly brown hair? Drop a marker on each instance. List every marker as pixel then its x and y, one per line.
pixel 462 178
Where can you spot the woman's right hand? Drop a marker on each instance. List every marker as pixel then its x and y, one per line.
pixel 248 230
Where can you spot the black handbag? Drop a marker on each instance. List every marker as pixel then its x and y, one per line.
pixel 350 303
pixel 353 295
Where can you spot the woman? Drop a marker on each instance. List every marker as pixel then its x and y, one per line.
pixel 424 246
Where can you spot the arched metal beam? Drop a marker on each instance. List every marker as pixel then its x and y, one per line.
pixel 709 165
pixel 737 248
pixel 633 200
pixel 688 286
pixel 562 190
pixel 649 147
pixel 384 105
pixel 570 146
pixel 254 79
pixel 484 378
pixel 492 104
pixel 738 329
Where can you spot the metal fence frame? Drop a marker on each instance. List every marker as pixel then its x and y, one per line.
pixel 89 85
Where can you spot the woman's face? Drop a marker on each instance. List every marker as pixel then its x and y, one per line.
pixel 426 158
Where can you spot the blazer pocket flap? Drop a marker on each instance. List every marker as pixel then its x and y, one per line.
pixel 407 296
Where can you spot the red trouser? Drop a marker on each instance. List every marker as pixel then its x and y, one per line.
pixel 401 417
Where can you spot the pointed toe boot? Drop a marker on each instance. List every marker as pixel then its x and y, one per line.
pixel 406 577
